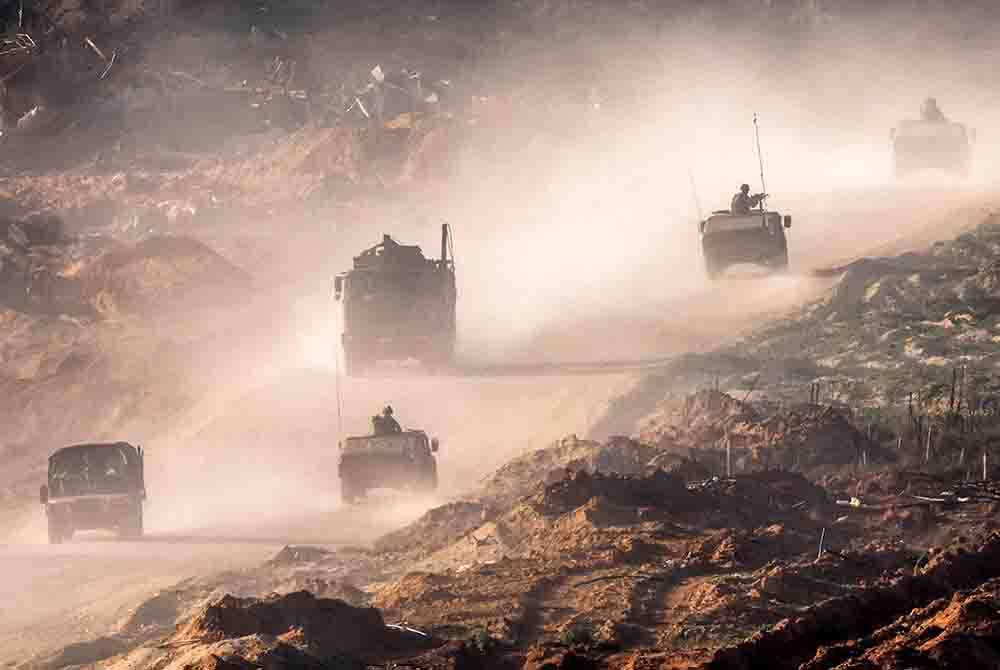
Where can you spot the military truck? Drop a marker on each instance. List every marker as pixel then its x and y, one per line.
pixel 94 486
pixel 758 237
pixel 401 461
pixel 397 304
pixel 919 145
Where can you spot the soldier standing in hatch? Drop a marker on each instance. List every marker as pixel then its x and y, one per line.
pixel 743 202
pixel 929 111
pixel 385 424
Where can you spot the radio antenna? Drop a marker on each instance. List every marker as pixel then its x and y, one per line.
pixel 760 155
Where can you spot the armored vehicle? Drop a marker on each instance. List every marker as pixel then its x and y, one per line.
pixel 758 237
pixel 93 486
pixel 402 461
pixel 397 304
pixel 931 145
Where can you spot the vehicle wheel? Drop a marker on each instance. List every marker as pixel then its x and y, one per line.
pixel 429 481
pixel 712 268
pixel 350 493
pixel 131 526
pixel 780 262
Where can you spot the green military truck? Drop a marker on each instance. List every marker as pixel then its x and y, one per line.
pixel 400 461
pixel 94 486
pixel 398 305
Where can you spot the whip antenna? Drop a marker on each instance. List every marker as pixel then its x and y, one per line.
pixel 760 156
pixel 340 412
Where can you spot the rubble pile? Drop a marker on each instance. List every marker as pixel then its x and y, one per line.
pixel 523 474
pixel 853 618
pixel 297 630
pixel 598 544
pixel 437 528
pixel 158 273
pixel 46 270
pixel 960 631
pixel 758 436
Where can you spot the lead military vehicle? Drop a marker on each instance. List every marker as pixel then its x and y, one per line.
pixel 919 145
pixel 402 461
pixel 398 304
pixel 758 237
pixel 94 486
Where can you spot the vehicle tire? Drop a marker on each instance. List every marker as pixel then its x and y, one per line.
pixel 429 480
pixel 350 493
pixel 132 527
pixel 712 268
pixel 780 262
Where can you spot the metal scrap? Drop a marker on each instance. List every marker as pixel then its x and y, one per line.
pixel 397 626
pixel 108 61
pixel 20 43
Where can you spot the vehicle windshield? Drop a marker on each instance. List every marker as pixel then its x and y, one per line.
pixel 102 468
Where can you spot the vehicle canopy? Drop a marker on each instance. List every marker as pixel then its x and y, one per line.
pixel 84 469
pixel 406 442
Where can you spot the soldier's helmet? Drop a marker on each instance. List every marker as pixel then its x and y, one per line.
pixel 745 188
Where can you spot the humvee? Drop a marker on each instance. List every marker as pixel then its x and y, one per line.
pixel 758 237
pixel 931 145
pixel 402 461
pixel 398 305
pixel 94 486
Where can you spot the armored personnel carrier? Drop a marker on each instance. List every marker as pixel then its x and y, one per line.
pixel 94 486
pixel 919 145
pixel 402 461
pixel 759 238
pixel 397 304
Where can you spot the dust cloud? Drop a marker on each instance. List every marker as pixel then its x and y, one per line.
pixel 575 203
pixel 617 144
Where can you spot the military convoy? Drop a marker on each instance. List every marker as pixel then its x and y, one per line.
pixel 758 237
pixel 94 486
pixel 919 145
pixel 402 461
pixel 397 304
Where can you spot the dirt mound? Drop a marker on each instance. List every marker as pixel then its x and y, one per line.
pixel 436 528
pixel 655 491
pixel 520 476
pixel 800 437
pixel 412 587
pixel 319 629
pixel 957 632
pixel 159 272
pixel 856 617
